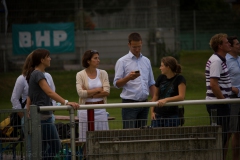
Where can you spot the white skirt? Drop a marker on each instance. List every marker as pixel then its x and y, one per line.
pixel 100 122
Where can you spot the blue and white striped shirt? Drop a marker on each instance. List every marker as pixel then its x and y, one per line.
pixel 216 67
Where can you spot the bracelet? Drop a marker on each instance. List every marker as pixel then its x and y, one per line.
pixel 66 101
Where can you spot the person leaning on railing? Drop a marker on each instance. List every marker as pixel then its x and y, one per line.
pixel 40 94
pixel 20 93
pixel 171 86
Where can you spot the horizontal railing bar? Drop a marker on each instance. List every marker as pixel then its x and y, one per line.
pixel 143 104
pixel 158 140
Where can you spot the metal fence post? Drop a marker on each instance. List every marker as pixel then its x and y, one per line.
pixel 26 133
pixel 72 126
pixel 35 133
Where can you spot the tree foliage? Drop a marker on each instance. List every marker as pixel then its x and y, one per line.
pixel 56 11
pixel 209 15
pixel 105 6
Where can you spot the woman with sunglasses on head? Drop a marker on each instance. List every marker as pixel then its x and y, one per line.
pixel 93 88
pixel 40 94
pixel 171 87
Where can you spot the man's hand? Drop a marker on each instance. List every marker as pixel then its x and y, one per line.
pixel 133 75
pixel 235 90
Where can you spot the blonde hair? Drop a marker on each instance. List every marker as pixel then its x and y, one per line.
pixel 216 40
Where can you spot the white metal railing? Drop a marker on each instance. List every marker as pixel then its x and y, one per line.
pixel 126 105
pixel 142 104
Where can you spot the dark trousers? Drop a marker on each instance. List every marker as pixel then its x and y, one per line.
pixel 223 117
pixel 134 117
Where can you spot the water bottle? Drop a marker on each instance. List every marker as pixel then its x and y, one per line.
pixel 58 156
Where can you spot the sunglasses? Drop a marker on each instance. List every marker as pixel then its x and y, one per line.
pixel 94 51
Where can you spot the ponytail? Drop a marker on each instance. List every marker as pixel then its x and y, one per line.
pixel 178 69
pixel 172 63
pixel 31 69
pixel 36 57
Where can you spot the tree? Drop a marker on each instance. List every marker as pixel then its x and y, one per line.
pixel 204 5
pixel 209 15
pixel 104 6
pixel 55 11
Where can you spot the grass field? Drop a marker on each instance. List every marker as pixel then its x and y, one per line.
pixel 193 68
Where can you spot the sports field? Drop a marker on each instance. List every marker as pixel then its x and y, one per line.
pixel 193 65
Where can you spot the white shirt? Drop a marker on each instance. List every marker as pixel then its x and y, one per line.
pixel 21 90
pixel 137 89
pixel 94 83
pixel 51 84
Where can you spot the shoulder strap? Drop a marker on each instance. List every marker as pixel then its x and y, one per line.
pixel 22 103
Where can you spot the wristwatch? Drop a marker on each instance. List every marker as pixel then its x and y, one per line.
pixel 66 101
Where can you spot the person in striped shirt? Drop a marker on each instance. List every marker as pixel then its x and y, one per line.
pixel 218 84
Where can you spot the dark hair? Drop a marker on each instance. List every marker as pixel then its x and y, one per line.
pixel 231 39
pixel 87 56
pixel 172 63
pixel 27 65
pixel 37 56
pixel 216 40
pixel 134 37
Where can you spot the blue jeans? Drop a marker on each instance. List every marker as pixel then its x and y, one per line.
pixel 134 117
pixel 51 144
pixel 170 121
pixel 28 145
pixel 223 117
pixel 29 138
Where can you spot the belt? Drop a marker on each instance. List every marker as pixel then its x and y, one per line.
pixel 98 102
pixel 131 100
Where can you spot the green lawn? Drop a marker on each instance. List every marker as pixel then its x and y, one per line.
pixel 193 68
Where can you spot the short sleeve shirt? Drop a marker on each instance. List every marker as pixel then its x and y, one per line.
pixel 164 90
pixel 37 95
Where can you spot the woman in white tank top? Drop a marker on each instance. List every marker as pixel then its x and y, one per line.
pixel 93 88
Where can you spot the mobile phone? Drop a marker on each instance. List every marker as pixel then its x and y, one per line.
pixel 137 72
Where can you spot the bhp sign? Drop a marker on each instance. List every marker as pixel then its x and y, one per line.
pixel 57 38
